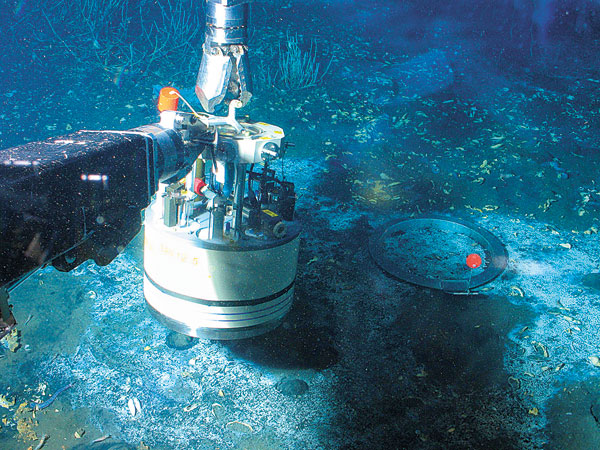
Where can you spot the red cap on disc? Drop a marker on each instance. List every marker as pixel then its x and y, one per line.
pixel 473 261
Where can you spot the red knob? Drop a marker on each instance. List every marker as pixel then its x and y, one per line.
pixel 473 261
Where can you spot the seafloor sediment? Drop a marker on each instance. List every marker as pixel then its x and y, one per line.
pixel 505 139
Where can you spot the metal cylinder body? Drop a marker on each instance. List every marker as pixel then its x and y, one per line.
pixel 217 290
pixel 227 24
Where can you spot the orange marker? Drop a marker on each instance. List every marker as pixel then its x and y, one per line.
pixel 168 99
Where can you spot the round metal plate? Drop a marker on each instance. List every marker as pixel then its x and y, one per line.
pixel 495 256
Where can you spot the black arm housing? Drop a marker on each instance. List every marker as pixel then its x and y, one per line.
pixel 68 199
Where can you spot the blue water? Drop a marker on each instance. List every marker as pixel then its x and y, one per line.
pixel 486 111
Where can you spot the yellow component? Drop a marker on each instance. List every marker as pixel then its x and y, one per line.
pixel 6 401
pixel 270 213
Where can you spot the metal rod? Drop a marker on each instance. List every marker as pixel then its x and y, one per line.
pixel 240 183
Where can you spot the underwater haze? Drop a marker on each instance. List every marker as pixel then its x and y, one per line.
pixel 481 111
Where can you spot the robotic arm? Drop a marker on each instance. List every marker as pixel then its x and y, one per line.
pixel 79 197
pixel 224 67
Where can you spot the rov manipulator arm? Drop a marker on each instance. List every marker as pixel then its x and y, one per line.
pixel 224 69
pixel 78 197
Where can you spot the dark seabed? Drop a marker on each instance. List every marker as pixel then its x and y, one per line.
pixel 483 111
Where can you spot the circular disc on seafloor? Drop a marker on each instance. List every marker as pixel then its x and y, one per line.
pixel 430 251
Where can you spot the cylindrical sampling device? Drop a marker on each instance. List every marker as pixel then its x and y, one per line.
pixel 216 275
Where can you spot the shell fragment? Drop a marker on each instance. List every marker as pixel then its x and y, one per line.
pixel 594 360
pixel 516 291
pixel 134 406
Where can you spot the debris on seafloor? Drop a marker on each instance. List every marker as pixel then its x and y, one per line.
pixel 39 406
pixel 218 411
pixel 594 360
pixel 6 401
pixel 516 291
pixel 25 423
pixel 292 387
pixel 13 339
pixel 101 439
pixel 191 407
pixel 42 442
pixel 239 427
pixel 541 349
pixel 178 341
pixel 134 406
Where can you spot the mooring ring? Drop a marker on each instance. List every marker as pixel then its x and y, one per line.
pixel 495 260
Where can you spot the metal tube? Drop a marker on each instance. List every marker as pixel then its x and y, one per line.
pixel 240 183
pixel 216 222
